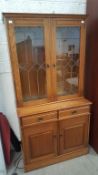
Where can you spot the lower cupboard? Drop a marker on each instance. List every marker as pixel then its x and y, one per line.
pixel 55 136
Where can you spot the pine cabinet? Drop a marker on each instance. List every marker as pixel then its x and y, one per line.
pixel 49 137
pixel 48 56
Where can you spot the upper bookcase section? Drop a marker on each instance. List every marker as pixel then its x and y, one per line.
pixel 47 54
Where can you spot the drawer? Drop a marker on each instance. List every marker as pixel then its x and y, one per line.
pixel 73 111
pixel 28 120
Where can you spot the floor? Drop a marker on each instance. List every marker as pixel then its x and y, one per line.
pixel 84 165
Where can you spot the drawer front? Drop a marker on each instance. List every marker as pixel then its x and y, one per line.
pixel 39 118
pixel 74 111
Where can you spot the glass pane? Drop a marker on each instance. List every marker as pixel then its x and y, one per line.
pixel 67 59
pixel 31 60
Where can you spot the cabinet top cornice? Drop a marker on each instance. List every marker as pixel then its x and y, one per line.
pixel 31 15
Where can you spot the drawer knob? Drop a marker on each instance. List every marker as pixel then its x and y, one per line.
pixel 40 119
pixel 74 112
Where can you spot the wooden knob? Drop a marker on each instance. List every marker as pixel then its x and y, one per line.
pixel 47 65
pixel 54 65
pixel 74 112
pixel 40 119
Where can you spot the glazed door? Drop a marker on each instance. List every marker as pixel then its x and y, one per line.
pixel 73 133
pixel 67 57
pixel 40 141
pixel 32 60
pixel 47 58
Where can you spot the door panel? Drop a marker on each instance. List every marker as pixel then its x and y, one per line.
pixel 33 60
pixel 46 146
pixel 73 133
pixel 67 60
pixel 40 141
pixel 67 53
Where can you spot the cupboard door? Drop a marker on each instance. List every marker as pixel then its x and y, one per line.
pixel 73 133
pixel 68 50
pixel 31 64
pixel 67 59
pixel 40 142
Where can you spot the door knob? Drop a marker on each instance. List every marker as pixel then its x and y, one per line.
pixel 54 65
pixel 47 65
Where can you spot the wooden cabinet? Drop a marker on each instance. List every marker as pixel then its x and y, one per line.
pixel 49 137
pixel 47 55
